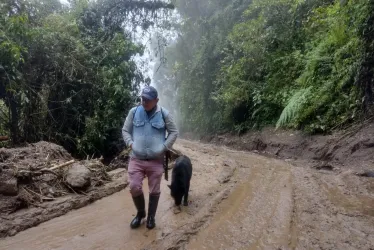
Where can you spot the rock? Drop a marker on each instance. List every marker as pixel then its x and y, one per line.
pixel 324 166
pixel 229 163
pixel 8 183
pixel 366 173
pixel 78 176
pixel 226 175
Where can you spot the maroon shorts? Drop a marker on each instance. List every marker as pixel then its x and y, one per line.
pixel 138 169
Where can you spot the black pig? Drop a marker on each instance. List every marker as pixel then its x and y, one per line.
pixel 180 180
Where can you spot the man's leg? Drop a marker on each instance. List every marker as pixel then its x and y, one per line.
pixel 154 173
pixel 136 175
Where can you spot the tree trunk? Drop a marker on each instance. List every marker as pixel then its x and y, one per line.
pixel 14 118
pixel 366 74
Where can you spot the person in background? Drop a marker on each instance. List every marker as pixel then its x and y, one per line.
pixel 144 131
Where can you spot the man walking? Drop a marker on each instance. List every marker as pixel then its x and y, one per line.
pixel 144 132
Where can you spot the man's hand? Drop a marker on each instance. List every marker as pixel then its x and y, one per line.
pixel 126 151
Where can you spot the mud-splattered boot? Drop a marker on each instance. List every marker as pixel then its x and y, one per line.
pixel 152 208
pixel 140 206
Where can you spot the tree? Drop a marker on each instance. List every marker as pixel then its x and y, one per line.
pixel 67 73
pixel 289 63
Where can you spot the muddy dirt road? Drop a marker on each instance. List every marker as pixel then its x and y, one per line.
pixel 238 200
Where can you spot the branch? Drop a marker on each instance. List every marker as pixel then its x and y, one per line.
pixel 115 12
pixel 130 5
pixel 62 165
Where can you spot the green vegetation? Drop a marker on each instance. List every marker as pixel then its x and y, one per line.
pixel 244 64
pixel 67 73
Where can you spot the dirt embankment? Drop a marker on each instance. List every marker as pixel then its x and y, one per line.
pixel 42 181
pixel 349 149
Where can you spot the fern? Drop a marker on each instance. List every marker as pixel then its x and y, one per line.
pixel 295 104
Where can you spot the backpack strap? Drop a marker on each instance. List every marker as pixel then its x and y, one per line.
pixel 133 115
pixel 163 116
pixel 162 113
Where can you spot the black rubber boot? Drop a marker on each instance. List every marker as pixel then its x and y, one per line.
pixel 140 206
pixel 152 208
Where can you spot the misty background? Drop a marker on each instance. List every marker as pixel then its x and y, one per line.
pixel 70 74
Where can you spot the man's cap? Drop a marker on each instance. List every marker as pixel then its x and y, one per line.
pixel 149 93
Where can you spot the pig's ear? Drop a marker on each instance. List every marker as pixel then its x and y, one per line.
pixel 169 186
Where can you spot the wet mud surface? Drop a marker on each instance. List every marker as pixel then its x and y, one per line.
pixel 238 200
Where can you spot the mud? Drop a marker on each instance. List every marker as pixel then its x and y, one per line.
pixel 238 200
pixel 35 155
pixel 11 224
pixel 352 148
pixel 40 191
